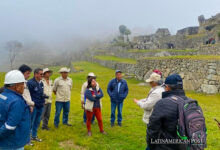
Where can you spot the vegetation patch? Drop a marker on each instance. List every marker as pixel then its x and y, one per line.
pixel 116 59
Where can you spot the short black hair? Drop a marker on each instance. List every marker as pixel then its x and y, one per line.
pixel 24 68
pixel 37 70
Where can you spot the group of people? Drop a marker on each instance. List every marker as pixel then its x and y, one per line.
pixel 24 103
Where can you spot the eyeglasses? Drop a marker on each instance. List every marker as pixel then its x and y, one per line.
pixel 41 74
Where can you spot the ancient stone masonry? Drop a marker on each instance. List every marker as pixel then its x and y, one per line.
pixel 188 31
pixel 198 75
pixel 190 37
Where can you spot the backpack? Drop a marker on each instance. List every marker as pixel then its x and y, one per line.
pixel 191 126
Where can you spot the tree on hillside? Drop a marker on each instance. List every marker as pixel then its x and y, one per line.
pixel 124 31
pixel 127 33
pixel 13 48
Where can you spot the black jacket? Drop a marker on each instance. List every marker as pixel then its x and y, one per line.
pixel 163 121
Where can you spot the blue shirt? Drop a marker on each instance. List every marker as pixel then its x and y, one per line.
pixel 15 120
pixel 119 85
pixel 37 91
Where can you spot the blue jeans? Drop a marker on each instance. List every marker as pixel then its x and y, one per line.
pixel 66 109
pixel 84 117
pixel 113 108
pixel 35 120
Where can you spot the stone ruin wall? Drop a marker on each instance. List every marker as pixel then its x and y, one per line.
pixel 198 75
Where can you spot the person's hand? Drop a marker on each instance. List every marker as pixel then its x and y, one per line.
pixel 135 100
pixel 31 109
pixel 93 95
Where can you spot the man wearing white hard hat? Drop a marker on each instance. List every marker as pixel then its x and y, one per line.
pixel 48 90
pixel 62 89
pixel 83 99
pixel 15 119
pixel 153 96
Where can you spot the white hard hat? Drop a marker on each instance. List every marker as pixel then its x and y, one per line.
pixel 91 74
pixel 14 76
pixel 64 69
pixel 154 77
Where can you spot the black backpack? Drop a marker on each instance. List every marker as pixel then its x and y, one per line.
pixel 191 126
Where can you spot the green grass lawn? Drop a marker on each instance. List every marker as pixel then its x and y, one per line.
pixel 116 59
pixel 131 136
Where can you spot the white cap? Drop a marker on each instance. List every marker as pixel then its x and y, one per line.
pixel 91 74
pixel 64 69
pixel 47 70
pixel 154 77
pixel 14 76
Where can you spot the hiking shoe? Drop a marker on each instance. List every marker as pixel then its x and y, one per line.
pixel 56 126
pixel 112 124
pixel 67 124
pixel 119 124
pixel 89 133
pixel 36 139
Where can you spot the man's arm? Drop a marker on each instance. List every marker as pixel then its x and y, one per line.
pixel 126 90
pixel 109 88
pixel 15 113
pixel 83 89
pixel 150 102
pixel 55 86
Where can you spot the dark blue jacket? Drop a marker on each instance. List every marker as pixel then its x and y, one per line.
pixel 98 95
pixel 37 92
pixel 15 120
pixel 163 121
pixel 112 90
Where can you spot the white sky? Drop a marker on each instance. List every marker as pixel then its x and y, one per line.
pixel 57 20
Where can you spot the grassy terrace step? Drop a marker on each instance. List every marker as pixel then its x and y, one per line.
pixel 159 50
pixel 116 59
pixel 195 57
